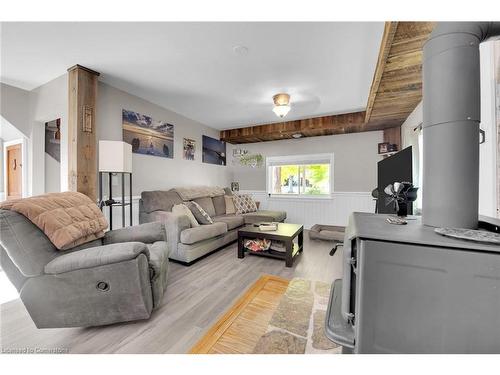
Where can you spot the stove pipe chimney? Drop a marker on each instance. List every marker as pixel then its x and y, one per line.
pixel 451 108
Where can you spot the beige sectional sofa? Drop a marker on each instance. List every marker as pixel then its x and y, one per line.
pixel 188 244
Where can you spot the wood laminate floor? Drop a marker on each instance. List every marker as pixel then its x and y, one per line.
pixel 195 299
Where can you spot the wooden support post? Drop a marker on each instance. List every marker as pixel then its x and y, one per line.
pixel 82 145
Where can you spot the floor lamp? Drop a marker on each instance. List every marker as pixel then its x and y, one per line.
pixel 115 158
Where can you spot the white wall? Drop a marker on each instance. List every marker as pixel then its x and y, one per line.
pixel 150 172
pixel 49 102
pixel 355 159
pixel 14 107
pixel 52 174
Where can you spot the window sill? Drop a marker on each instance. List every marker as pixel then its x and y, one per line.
pixel 300 197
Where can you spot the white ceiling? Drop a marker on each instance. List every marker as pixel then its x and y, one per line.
pixel 191 68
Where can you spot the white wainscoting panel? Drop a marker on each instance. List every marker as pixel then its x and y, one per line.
pixel 306 211
pixel 309 211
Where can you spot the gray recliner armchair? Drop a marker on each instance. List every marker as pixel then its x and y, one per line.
pixel 120 277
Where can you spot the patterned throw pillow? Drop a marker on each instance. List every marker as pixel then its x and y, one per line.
pixel 199 213
pixel 181 209
pixel 244 203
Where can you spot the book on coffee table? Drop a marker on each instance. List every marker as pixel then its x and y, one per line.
pixel 268 226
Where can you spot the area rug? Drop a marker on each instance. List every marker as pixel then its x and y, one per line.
pixel 274 316
pixel 242 325
pixel 297 325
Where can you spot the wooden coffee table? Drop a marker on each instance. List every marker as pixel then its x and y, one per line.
pixel 286 232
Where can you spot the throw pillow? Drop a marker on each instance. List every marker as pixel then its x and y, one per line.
pixel 181 209
pixel 230 209
pixel 207 204
pixel 220 205
pixel 244 203
pixel 199 213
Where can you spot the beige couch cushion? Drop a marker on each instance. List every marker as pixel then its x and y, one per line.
pixel 160 200
pixel 181 209
pixel 232 221
pixel 203 232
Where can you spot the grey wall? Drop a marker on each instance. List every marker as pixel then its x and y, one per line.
pixel 52 174
pixel 14 107
pixel 150 172
pixel 49 102
pixel 355 159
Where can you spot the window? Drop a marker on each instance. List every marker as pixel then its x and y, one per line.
pixel 300 175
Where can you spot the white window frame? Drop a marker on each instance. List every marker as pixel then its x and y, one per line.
pixel 299 159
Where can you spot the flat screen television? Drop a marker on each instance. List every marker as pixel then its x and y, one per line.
pixel 395 168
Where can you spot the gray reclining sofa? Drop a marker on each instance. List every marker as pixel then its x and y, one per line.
pixel 120 277
pixel 187 244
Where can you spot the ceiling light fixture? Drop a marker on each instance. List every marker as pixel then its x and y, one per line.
pixel 281 104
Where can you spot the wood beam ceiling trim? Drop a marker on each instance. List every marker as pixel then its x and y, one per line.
pixel 387 38
pixel 326 125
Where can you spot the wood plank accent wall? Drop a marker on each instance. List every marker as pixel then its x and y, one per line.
pixel 385 47
pixel 400 88
pixel 82 145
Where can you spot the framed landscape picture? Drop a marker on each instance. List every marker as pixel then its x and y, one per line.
pixel 148 136
pixel 214 151
pixel 189 148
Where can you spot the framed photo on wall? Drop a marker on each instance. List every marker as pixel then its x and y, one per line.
pixel 214 151
pixel 189 148
pixel 148 136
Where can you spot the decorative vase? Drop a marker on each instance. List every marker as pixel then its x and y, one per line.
pixel 402 209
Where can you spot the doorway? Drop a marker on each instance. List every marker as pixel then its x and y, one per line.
pixel 14 161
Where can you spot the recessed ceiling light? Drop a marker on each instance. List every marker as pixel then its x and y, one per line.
pixel 240 50
pixel 297 135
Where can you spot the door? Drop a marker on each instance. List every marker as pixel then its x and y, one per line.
pixel 14 171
